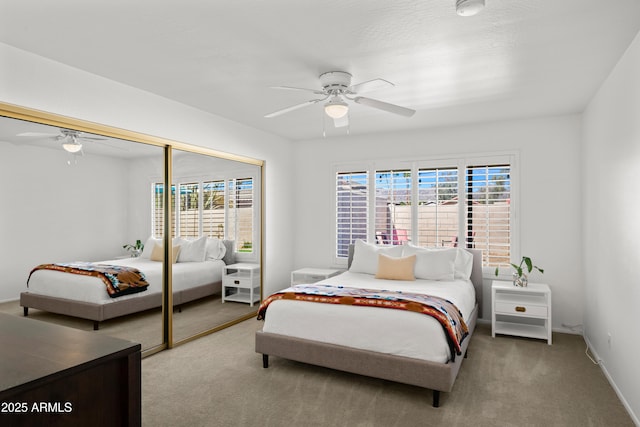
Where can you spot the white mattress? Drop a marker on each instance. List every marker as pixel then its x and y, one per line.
pixel 92 289
pixel 396 332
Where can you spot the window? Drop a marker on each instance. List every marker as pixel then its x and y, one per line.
pixel 393 210
pixel 158 209
pixel 462 203
pixel 488 212
pixel 437 208
pixel 240 213
pixel 352 201
pixel 215 208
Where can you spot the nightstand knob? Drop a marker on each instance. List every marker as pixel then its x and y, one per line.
pixel 520 309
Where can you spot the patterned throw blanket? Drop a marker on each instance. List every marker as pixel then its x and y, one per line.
pixel 440 309
pixel 119 280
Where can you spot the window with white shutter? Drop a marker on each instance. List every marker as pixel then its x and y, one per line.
pixel 437 208
pixel 240 213
pixel 393 209
pixel 214 208
pixel 157 228
pixel 465 203
pixel 352 203
pixel 488 212
pixel 213 196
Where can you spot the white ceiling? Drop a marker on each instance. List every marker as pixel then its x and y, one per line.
pixel 517 58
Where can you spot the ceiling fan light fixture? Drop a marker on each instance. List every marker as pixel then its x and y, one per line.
pixel 336 108
pixel 469 7
pixel 72 147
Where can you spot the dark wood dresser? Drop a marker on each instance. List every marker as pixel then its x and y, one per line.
pixel 53 375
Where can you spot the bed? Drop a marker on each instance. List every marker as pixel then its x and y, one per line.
pixel 378 342
pixel 197 273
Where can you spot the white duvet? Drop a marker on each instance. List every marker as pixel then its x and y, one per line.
pixel 92 289
pixel 396 332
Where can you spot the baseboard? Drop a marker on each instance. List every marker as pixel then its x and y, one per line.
pixel 613 384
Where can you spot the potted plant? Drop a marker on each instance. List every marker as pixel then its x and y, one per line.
pixel 135 249
pixel 520 277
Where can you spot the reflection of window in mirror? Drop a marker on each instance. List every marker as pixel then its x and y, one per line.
pixel 222 208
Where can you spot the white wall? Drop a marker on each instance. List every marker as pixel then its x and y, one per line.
pixel 55 212
pixel 550 199
pixel 35 82
pixel 611 173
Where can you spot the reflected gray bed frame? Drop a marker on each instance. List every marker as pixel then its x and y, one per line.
pixel 101 312
pixel 432 375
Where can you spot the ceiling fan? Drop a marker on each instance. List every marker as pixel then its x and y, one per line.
pixel 71 140
pixel 336 88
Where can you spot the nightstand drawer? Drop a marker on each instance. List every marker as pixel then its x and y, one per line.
pixel 521 309
pixel 237 281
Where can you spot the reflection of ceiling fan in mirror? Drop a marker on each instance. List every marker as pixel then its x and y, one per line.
pixel 336 90
pixel 71 140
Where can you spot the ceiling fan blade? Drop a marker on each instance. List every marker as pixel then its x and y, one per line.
pixel 316 91
pixel 292 108
pixel 36 134
pixel 391 108
pixel 342 121
pixel 91 138
pixel 370 86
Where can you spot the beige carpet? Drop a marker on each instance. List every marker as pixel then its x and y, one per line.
pixel 146 327
pixel 218 380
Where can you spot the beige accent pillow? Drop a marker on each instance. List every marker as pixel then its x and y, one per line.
pixel 158 253
pixel 396 268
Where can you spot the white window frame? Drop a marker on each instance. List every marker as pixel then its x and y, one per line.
pixel 200 180
pixel 461 162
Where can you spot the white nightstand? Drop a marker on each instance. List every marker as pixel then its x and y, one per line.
pixel 312 275
pixel 241 283
pixel 513 306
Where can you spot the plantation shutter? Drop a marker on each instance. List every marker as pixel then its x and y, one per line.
pixel 437 208
pixel 352 201
pixel 189 210
pixel 488 212
pixel 240 210
pixel 158 210
pixel 213 196
pixel 393 216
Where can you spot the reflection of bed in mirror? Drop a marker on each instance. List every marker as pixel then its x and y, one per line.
pixel 197 273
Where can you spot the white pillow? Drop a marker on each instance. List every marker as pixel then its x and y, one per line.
pixel 193 250
pixel 433 264
pixel 365 256
pixel 148 247
pixel 463 264
pixel 215 249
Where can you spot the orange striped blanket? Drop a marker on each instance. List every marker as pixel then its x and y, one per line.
pixel 440 309
pixel 119 280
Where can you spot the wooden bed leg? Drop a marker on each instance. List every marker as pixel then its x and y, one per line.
pixel 436 398
pixel 96 325
pixel 265 361
pixel 25 311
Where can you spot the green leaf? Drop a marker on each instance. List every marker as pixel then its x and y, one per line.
pixel 527 261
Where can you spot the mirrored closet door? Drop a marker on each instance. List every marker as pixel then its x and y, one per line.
pixel 71 198
pixel 85 193
pixel 216 225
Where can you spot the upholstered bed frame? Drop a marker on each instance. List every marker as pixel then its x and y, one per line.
pixel 100 312
pixel 435 376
